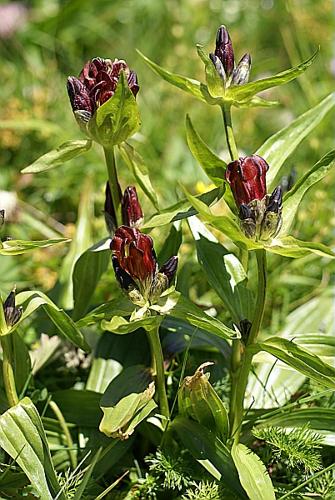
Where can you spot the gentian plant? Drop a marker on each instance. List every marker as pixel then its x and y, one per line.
pixel 188 419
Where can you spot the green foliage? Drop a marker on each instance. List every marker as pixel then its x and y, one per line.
pixel 171 472
pixel 203 491
pixel 299 447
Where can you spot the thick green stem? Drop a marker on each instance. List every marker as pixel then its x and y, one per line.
pixel 158 367
pixel 229 132
pixel 114 184
pixel 246 357
pixel 8 370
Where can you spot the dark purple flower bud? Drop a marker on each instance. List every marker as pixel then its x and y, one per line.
pixel 218 66
pixel 275 201
pixel 132 214
pixel 245 327
pixel 247 179
pixel 109 211
pixel 242 71
pixel 124 279
pixel 97 83
pixel 11 312
pixel 224 50
pixel 169 268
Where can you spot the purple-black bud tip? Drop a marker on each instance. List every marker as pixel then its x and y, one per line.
pixel 170 268
pixel 275 201
pixel 224 50
pixel 11 312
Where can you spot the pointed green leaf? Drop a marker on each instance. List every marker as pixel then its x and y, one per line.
pixel 298 358
pixel 120 306
pixel 294 196
pixel 288 246
pixel 316 418
pixel 181 209
pixel 225 274
pixel 252 473
pixel 118 118
pixel 257 102
pixel 210 452
pixel 87 272
pixel 22 436
pixel 57 157
pixel 279 146
pixel 243 92
pixel 137 166
pixel 186 310
pixel 171 244
pixel 18 247
pixel 61 320
pixel 213 166
pixel 189 85
pixel 124 400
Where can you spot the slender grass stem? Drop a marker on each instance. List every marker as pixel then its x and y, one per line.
pixel 67 434
pixel 114 183
pixel 158 367
pixel 8 369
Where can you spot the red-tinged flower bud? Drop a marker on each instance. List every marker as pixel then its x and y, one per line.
pixel 224 50
pixel 135 254
pixel 242 71
pixel 97 83
pixel 170 268
pixel 247 179
pixel 11 312
pixel 132 214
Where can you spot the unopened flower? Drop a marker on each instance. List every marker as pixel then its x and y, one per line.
pixel 97 83
pixel 11 312
pixel 259 213
pixel 132 214
pixel 95 86
pixel 224 60
pixel 136 267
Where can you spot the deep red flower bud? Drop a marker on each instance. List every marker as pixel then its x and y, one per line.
pixel 247 179
pixel 224 50
pixel 135 254
pixel 132 214
pixel 97 83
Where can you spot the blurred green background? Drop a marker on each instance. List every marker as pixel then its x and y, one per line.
pixel 53 39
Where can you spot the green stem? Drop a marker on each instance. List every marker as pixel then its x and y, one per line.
pixel 114 184
pixel 246 357
pixel 8 370
pixel 226 113
pixel 67 434
pixel 158 367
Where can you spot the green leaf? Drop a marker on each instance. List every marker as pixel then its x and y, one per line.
pixel 316 418
pixel 210 452
pixel 121 326
pixel 298 358
pixel 252 473
pixel 61 320
pixel 18 247
pixel 71 403
pixel 171 244
pixel 186 310
pixel 215 84
pixel 189 85
pixel 213 166
pixel 22 436
pixel 288 246
pixel 256 102
pixel 137 166
pixel 294 196
pixel 118 118
pixel 58 156
pixel 181 209
pixel 224 272
pixel 243 92
pixel 127 401
pixel 21 361
pixel 87 476
pixel 120 306
pixel 279 146
pixel 87 272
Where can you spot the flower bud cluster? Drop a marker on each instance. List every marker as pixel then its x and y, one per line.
pixel 224 60
pixel 259 213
